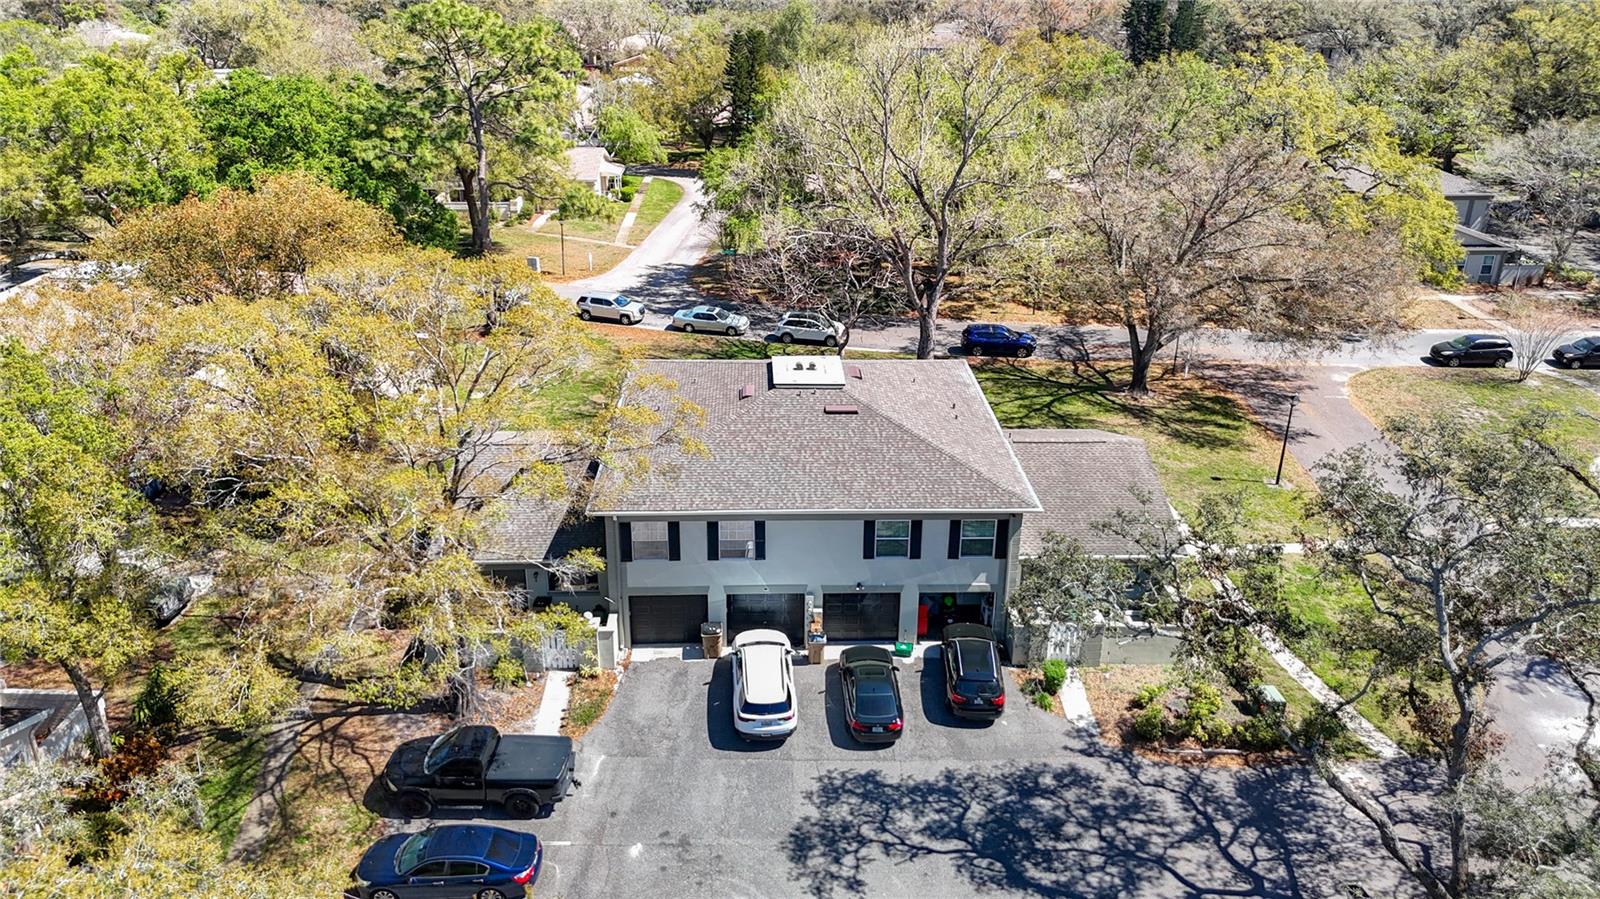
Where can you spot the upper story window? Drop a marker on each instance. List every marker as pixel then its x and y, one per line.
pixel 650 540
pixel 892 538
pixel 736 539
pixel 977 537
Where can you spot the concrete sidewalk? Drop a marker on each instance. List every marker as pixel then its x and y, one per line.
pixel 553 706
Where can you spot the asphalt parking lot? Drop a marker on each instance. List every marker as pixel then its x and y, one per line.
pixel 674 804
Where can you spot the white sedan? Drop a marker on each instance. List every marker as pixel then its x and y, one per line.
pixel 764 706
pixel 710 318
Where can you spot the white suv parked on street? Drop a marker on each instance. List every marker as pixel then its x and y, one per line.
pixel 763 686
pixel 614 306
pixel 812 326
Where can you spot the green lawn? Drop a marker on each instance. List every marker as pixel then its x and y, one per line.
pixel 1387 393
pixel 660 195
pixel 232 771
pixel 1202 440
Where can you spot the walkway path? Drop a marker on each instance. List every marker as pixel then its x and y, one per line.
pixel 1363 730
pixel 633 209
pixel 256 823
pixel 557 691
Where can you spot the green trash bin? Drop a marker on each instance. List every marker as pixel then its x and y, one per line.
pixel 903 650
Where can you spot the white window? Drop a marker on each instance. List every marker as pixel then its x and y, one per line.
pixel 650 540
pixel 1487 269
pixel 977 537
pixel 893 539
pixel 736 539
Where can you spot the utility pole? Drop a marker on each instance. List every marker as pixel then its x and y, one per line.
pixel 1288 423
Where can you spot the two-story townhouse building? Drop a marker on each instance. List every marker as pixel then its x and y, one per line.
pixel 883 493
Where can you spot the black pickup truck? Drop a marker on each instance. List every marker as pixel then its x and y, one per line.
pixel 477 765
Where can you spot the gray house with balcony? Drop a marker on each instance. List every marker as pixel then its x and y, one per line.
pixel 882 494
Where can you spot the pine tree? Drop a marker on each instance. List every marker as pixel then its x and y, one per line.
pixel 1187 28
pixel 747 56
pixel 1145 24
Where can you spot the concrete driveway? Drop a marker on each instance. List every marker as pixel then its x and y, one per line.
pixel 673 804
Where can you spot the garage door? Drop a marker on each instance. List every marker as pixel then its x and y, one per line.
pixel 861 616
pixel 666 619
pixel 780 611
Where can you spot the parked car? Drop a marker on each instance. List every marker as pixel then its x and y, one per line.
pixel 612 306
pixel 810 326
pixel 996 340
pixel 469 861
pixel 972 676
pixel 1473 349
pixel 710 318
pixel 871 688
pixel 764 706
pixel 1580 352
pixel 477 765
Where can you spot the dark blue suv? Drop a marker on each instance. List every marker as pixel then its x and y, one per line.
pixel 996 340
pixel 458 860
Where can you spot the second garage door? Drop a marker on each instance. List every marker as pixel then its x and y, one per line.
pixel 666 619
pixel 861 616
pixel 780 611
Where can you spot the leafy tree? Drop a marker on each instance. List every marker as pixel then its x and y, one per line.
pixel 1145 27
pixel 231 34
pixel 688 95
pixel 629 136
pixel 924 160
pixel 1188 27
pixel 1067 588
pixel 1166 229
pixel 247 244
pixel 350 136
pixel 746 80
pixel 67 524
pixel 481 81
pixel 63 14
pixel 1554 169
pixel 1443 104
pixel 1550 58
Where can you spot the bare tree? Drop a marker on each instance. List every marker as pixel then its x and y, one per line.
pixel 1536 327
pixel 831 273
pixel 1165 231
pixel 925 160
pixel 599 27
pixel 1555 170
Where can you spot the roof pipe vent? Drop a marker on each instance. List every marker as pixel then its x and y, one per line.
pixel 853 371
pixel 747 391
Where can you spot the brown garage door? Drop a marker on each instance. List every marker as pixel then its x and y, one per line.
pixel 780 611
pixel 666 618
pixel 861 616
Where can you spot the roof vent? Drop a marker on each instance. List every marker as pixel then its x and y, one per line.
pixel 853 371
pixel 835 409
pixel 807 371
pixel 747 391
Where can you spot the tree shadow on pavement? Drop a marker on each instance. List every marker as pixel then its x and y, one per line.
pixel 1101 823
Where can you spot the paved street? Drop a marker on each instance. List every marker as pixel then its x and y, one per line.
pixel 673 804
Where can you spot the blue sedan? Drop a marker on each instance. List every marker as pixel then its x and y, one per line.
pixel 459 860
pixel 996 340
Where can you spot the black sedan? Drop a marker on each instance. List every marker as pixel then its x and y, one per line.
pixel 871 694
pixel 457 860
pixel 1473 349
pixel 972 676
pixel 1579 353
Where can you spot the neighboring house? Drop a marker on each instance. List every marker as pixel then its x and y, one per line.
pixel 882 494
pixel 1486 255
pixel 454 198
pixel 594 167
pixel 40 725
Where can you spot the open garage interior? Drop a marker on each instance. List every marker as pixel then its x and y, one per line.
pixel 861 616
pixel 940 610
pixel 666 618
pixel 784 612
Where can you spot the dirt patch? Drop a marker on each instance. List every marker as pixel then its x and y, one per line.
pixel 1029 686
pixel 591 696
pixel 512 710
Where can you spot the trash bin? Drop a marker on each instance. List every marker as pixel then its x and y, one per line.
pixel 814 646
pixel 711 639
pixel 903 650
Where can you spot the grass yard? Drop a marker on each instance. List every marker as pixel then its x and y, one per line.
pixel 1492 395
pixel 660 195
pixel 232 772
pixel 517 240
pixel 1202 439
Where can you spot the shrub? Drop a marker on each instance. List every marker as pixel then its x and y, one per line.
pixel 508 672
pixel 1044 701
pixel 1054 672
pixel 626 193
pixel 1148 694
pixel 1150 724
pixel 155 709
pixel 1201 720
pixel 1259 732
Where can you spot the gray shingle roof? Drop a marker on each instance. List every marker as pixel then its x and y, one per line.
pixel 922 439
pixel 1083 477
pixel 527 528
pixel 1452 185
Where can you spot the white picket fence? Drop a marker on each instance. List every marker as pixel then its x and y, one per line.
pixel 554 651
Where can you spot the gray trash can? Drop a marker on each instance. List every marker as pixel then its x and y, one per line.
pixel 711 639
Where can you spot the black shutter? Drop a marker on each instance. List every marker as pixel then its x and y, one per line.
pixel 916 538
pixel 955 538
pixel 713 546
pixel 674 547
pixel 625 537
pixel 869 539
pixel 761 539
pixel 1002 538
